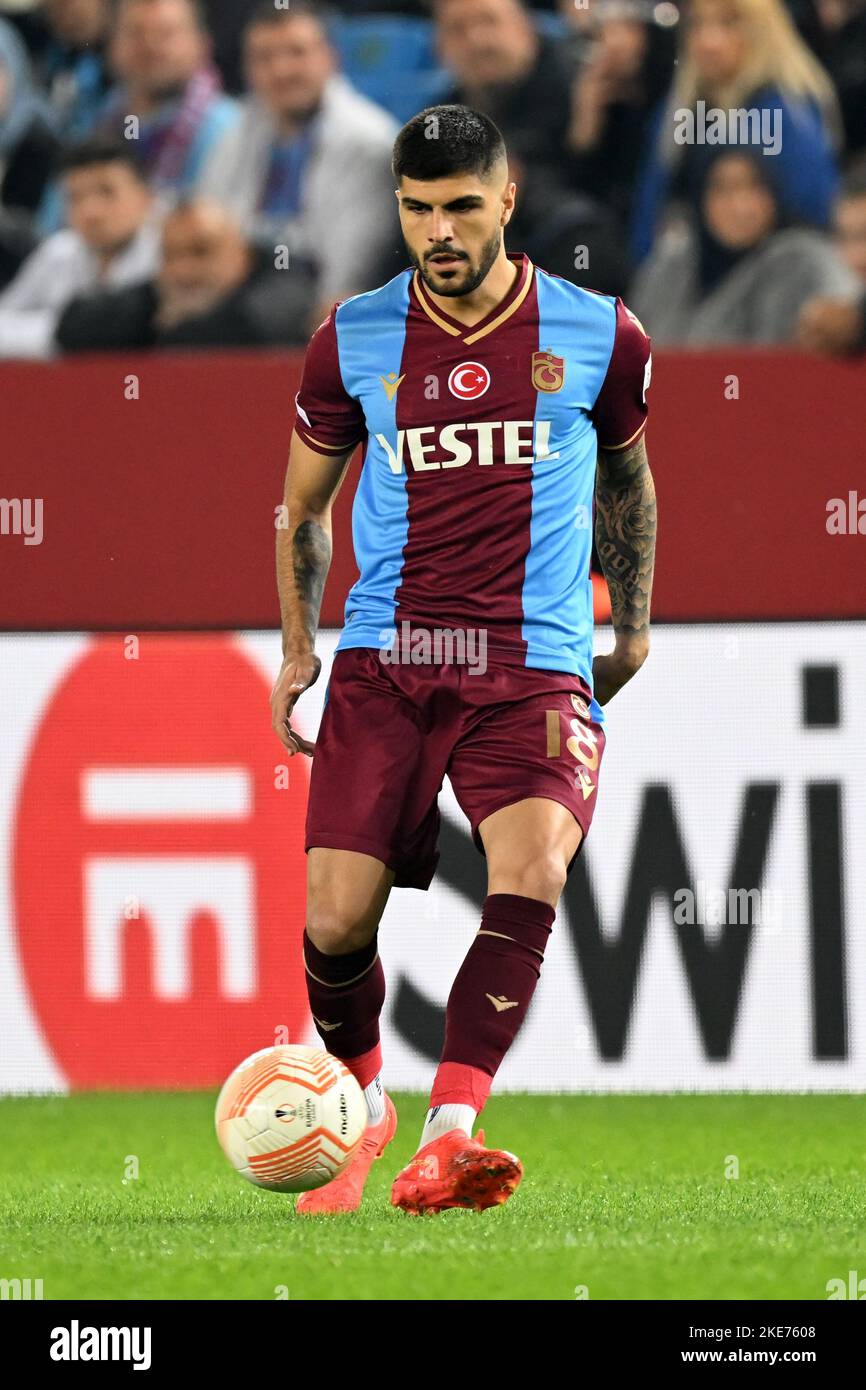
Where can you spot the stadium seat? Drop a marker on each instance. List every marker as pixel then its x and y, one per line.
pixel 392 60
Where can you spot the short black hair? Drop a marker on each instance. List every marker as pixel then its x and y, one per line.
pixel 270 12
pixel 86 154
pixel 445 140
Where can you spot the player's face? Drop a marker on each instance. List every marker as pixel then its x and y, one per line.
pixel 453 228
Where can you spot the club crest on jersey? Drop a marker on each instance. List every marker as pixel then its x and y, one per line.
pixel 468 381
pixel 548 371
pixel 580 706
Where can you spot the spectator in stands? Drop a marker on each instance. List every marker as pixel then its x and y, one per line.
pixel 522 80
pixel 111 241
pixel 26 15
pixel 837 325
pixel 518 77
pixel 625 73
pixel 743 55
pixel 28 142
pixel 211 291
pixel 841 46
pixel 308 167
pixel 72 63
pixel 160 51
pixel 570 234
pixel 742 273
pixel 850 223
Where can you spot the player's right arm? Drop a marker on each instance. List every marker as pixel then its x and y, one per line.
pixel 328 428
pixel 304 548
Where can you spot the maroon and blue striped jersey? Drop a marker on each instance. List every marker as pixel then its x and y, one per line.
pixel 475 501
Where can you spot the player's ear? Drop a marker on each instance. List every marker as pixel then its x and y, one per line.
pixel 509 199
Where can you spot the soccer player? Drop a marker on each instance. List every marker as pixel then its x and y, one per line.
pixel 494 402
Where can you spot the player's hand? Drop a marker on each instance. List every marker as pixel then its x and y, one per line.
pixel 611 672
pixel 299 671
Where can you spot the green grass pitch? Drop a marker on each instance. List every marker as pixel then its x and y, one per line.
pixel 624 1196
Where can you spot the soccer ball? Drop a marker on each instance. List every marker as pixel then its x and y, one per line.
pixel 290 1118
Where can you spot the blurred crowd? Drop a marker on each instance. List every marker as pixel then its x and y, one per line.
pixel 185 174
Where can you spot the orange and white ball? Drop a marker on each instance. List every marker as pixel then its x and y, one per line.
pixel 290 1118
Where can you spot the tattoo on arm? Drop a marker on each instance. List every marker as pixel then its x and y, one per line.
pixel 311 559
pixel 625 534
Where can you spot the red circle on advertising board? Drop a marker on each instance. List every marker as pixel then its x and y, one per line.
pixel 161 946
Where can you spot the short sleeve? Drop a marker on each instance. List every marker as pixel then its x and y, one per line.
pixel 328 420
pixel 620 411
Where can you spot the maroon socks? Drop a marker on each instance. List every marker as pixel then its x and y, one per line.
pixel 486 1007
pixel 346 995
pixel 490 997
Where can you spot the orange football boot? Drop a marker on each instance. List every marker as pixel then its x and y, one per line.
pixel 456 1171
pixel 344 1193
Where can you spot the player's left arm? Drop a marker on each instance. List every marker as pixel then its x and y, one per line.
pixel 625 503
pixel 328 427
pixel 625 537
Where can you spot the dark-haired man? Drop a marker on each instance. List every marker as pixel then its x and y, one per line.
pixel 519 77
pixel 169 101
pixel 308 165
pixel 111 241
pixel 522 79
pixel 484 391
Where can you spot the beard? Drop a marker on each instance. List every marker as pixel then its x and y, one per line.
pixel 474 275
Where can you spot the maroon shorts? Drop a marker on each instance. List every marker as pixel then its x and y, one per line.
pixel 390 734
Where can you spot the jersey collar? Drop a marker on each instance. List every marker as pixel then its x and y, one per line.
pixel 498 315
